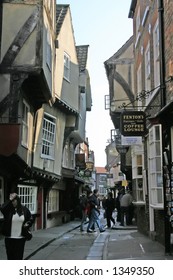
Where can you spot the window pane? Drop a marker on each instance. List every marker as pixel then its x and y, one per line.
pixel 157 132
pixel 158 164
pixel 158 152
pixel 139 170
pixel 139 159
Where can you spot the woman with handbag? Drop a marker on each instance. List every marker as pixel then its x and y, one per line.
pixel 17 221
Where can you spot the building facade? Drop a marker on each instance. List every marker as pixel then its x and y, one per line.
pixel 43 106
pixel 152 99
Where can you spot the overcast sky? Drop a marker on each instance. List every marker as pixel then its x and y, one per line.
pixel 104 26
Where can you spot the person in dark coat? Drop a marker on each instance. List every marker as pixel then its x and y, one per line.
pixel 109 208
pixel 17 218
pixel 95 212
pixel 83 205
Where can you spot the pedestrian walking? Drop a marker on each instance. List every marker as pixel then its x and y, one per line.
pixel 125 204
pixel 109 208
pixel 95 212
pixel 121 192
pixel 17 221
pixel 83 206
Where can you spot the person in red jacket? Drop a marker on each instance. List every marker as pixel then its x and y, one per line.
pixel 17 218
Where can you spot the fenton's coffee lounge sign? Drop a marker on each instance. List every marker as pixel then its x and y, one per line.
pixel 133 123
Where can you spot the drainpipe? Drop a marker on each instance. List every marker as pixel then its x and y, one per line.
pixel 162 52
pixel 164 129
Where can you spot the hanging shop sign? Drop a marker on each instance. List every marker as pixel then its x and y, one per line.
pixel 89 165
pixel 80 161
pixel 87 173
pixel 133 123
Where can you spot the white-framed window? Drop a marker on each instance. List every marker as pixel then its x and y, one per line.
pixel 139 190
pixel 66 67
pixel 155 166
pixel 107 102
pixel 147 63
pixel 53 201
pixel 69 155
pixel 145 15
pixel 28 196
pixel 156 52
pixel 48 136
pixel 137 165
pixel 148 72
pixel 139 86
pixel 66 155
pixel 138 22
pixel 25 123
pixel 1 194
pixel 48 50
pixel 137 172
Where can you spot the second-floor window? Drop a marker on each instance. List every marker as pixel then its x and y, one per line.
pixel 138 23
pixel 139 86
pixel 156 55
pixel 25 123
pixel 48 50
pixel 48 137
pixel 66 67
pixel 148 72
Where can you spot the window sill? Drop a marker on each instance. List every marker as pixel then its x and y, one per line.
pixel 139 203
pixel 157 206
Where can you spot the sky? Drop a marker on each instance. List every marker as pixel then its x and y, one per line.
pixel 104 26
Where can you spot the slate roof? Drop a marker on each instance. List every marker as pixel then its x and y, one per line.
pixel 82 54
pixel 61 11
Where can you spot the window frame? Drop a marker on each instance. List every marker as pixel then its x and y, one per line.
pixel 138 179
pixel 67 64
pixel 48 50
pixel 148 72
pixel 53 200
pixel 155 174
pixel 156 56
pixel 139 86
pixel 25 124
pixel 48 144
pixel 28 196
